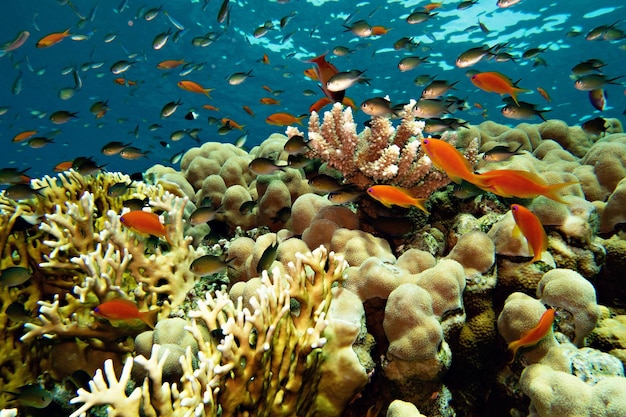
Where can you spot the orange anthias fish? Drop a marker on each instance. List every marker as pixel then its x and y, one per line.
pixel 20 137
pixel 531 228
pixel 324 71
pixel 63 166
pixel 169 64
pixel 494 82
pixel 284 119
pixel 120 309
pixel 233 124
pixel 379 30
pixel 534 335
pixel 390 195
pixel 448 158
pixel 194 87
pixel 144 222
pixel 52 39
pixel 517 183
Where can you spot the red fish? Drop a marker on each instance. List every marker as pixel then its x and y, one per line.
pixel 531 228
pixel 494 82
pixel 324 71
pixel 390 195
pixel 517 183
pixel 144 222
pixel 534 335
pixel 120 309
pixel 448 158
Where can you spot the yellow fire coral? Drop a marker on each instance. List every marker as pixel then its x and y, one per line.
pixel 70 237
pixel 277 356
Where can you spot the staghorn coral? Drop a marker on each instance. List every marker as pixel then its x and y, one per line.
pixel 378 154
pixel 271 360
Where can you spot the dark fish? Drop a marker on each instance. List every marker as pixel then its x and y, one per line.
pixel 377 106
pixel 247 206
pixel 113 148
pixel 13 176
pixel 208 265
pixel 598 99
pixel 595 126
pixel 20 192
pixel 32 395
pixel 261 166
pixel 267 258
pixel 118 189
pixel 136 203
pixel 521 110
pixel 282 215
pixel 323 183
pixel 17 312
pixel 14 276
pixel 499 153
pixel 296 145
pixel 202 215
pixel 594 81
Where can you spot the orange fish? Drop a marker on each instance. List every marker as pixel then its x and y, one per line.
pixel 390 195
pixel 120 309
pixel 233 124
pixel 144 222
pixel 268 100
pixel 209 107
pixel 124 81
pixel 544 94
pixel 169 64
pixel 267 88
pixel 311 73
pixel 517 183
pixel 533 336
pixel 319 104
pixel 248 110
pixel 446 157
pixel 266 59
pixel 20 137
pixel 494 82
pixel 53 39
pixel 63 166
pixel 531 228
pixel 194 87
pixel 432 6
pixel 284 119
pixel 379 30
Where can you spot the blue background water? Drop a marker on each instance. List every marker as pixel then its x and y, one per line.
pixel 315 28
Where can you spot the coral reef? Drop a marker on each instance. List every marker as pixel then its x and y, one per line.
pixel 408 306
pixel 270 358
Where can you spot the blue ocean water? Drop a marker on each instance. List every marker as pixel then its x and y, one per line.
pixel 32 77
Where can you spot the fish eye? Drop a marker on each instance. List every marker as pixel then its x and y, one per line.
pixel 426 141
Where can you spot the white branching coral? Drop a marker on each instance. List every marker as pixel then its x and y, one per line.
pixel 112 392
pixel 263 357
pixel 379 154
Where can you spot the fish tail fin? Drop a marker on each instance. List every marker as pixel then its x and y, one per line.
pixel 512 349
pixel 553 191
pixel 420 203
pixel 149 317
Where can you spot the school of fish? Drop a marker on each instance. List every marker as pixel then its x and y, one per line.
pixel 163 78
